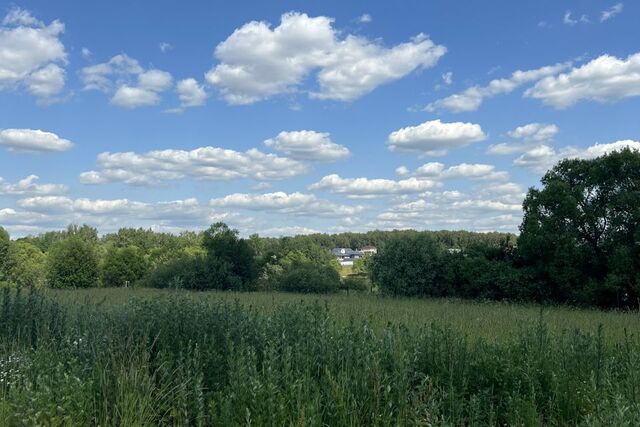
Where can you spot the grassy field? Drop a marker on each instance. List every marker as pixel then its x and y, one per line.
pixel 489 320
pixel 144 357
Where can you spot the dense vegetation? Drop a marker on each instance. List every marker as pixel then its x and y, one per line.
pixel 176 360
pixel 579 243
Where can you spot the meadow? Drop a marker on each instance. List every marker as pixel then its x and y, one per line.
pixel 148 357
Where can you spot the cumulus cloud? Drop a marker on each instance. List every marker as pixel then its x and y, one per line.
pixel 437 171
pixel 191 93
pixel 30 186
pixel 543 157
pixel 204 163
pixel 365 18
pixel 434 137
pixel 604 79
pixel 528 136
pixel 258 62
pixel 366 187
pixel 165 47
pixel 131 84
pixel 307 145
pixel 33 140
pixel 31 54
pixel 613 11
pixel 471 98
pixel 280 202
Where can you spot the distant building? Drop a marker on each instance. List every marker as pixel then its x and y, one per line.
pixel 369 250
pixel 346 256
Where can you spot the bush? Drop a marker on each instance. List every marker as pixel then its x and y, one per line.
pixel 310 278
pixel 355 282
pixel 182 273
pixel 123 266
pixel 72 263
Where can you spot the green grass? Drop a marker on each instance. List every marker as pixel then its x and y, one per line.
pixel 143 357
pixel 490 320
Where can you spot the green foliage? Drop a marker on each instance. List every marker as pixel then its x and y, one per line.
pixel 123 266
pixel 175 360
pixel 231 262
pixel 581 231
pixel 72 263
pixel 187 272
pixel 5 244
pixel 355 282
pixel 26 265
pixel 410 266
pixel 310 278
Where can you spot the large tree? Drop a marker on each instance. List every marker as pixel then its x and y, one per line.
pixel 123 266
pixel 581 231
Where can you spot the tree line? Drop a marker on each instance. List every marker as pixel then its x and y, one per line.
pixel 579 243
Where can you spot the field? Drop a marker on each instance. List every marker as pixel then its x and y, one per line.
pixel 144 357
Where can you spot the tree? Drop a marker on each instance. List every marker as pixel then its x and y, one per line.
pixel 5 244
pixel 123 266
pixel 26 265
pixel 409 265
pixel 72 263
pixel 581 231
pixel 230 260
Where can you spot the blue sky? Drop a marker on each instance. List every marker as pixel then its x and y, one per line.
pixel 292 117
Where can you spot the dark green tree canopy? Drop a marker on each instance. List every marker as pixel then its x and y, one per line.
pixel 582 229
pixel 123 266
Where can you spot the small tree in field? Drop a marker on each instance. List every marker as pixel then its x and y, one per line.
pixel 72 263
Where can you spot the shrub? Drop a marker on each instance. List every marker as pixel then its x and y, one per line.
pixel 72 263
pixel 310 278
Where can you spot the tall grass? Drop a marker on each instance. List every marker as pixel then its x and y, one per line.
pixel 173 359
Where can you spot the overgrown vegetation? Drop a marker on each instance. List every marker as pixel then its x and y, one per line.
pixel 176 360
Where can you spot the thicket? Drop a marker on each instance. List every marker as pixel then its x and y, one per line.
pixel 177 361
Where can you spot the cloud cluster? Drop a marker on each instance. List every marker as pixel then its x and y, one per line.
pixel 258 62
pixel 543 157
pixel 132 86
pixel 204 163
pixel 280 202
pixel 434 137
pixel 32 55
pixel 471 98
pixel 33 140
pixel 367 188
pixel 527 136
pixel 604 79
pixel 307 145
pixel 29 186
pixel 437 171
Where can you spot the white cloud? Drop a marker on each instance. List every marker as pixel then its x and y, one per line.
pixel 614 10
pixel 604 79
pixel 287 231
pixel 205 163
pixel 30 54
pixel 30 186
pixel 133 85
pixel 543 157
pixel 365 18
pixel 32 140
pixel 569 20
pixel 165 47
pixel 280 202
pixel 447 78
pixel 402 171
pixel 308 145
pixel 191 93
pixel 477 171
pixel 435 137
pixel 529 136
pixel 366 187
pixel 257 62
pixel 471 98
pixel 86 52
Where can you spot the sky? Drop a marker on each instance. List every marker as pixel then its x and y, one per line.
pixel 294 117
